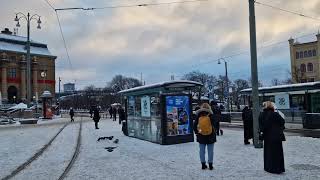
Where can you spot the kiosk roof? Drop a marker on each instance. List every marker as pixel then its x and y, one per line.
pixel 166 84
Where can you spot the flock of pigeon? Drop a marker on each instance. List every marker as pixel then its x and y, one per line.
pixel 110 148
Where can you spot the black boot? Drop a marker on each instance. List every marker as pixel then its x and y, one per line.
pixel 204 166
pixel 210 166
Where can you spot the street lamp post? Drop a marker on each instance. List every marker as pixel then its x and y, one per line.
pixel 227 81
pixel 27 17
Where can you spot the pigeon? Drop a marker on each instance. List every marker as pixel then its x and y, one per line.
pixel 104 138
pixel 116 141
pixel 110 149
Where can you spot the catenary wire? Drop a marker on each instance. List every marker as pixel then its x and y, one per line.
pixel 287 11
pixel 128 6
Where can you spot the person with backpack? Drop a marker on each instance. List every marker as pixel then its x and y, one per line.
pixel 204 128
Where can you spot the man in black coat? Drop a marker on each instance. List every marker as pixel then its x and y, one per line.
pixel 71 113
pixel 217 115
pixel 96 117
pixel 114 113
pixel 122 114
pixel 247 124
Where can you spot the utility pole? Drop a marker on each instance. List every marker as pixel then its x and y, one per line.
pixel 59 94
pixel 254 75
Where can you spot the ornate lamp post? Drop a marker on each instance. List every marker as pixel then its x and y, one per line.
pixel 27 17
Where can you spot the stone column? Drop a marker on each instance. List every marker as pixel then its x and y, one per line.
pixel 23 84
pixel 4 84
pixel 35 81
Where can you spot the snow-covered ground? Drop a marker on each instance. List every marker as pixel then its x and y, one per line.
pixel 52 162
pixel 18 144
pixel 137 159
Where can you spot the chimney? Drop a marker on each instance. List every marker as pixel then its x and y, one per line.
pixel 6 31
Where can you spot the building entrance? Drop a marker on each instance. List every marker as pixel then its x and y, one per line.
pixel 12 94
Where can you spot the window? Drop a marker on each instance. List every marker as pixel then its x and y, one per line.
pixel 303 68
pixel 309 53
pixel 305 54
pixel 12 73
pixel 297 55
pixel 310 67
pixel 301 54
pixel 13 59
pixel 311 80
pixel 314 52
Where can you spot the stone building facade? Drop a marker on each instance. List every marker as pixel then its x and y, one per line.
pixel 13 71
pixel 305 61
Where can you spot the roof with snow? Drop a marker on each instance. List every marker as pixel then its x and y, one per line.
pixel 14 43
pixel 183 84
pixel 287 88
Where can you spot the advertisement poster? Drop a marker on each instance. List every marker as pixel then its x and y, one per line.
pixel 131 105
pixel 178 116
pixel 145 106
pixel 282 101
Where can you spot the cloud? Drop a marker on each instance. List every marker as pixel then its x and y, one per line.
pixel 162 40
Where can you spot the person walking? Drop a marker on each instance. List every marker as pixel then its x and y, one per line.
pixel 271 129
pixel 110 111
pixel 205 131
pixel 247 124
pixel 114 113
pixel 71 113
pixel 122 114
pixel 96 117
pixel 91 111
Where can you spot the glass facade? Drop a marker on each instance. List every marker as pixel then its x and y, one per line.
pixel 144 117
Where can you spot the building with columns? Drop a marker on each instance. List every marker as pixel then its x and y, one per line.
pixel 13 68
pixel 305 60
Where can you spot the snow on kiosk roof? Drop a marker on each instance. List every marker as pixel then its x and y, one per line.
pixel 165 85
pixel 286 88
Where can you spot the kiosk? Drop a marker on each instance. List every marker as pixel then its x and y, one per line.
pixel 47 105
pixel 160 113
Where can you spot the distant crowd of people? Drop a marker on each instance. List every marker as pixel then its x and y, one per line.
pixel 95 114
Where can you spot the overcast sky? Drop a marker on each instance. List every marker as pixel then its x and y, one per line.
pixel 160 41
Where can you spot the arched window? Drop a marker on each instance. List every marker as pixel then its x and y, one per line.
pixel 303 68
pixel 301 54
pixel 297 55
pixel 305 54
pixel 310 67
pixel 309 53
pixel 314 52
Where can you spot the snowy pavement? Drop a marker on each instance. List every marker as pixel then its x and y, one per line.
pixel 136 159
pixel 19 144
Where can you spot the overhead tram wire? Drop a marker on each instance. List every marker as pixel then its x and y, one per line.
pixel 64 41
pixel 287 11
pixel 128 6
pixel 49 4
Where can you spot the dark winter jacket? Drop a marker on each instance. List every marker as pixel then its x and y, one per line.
pixel 71 113
pixel 247 123
pixel 96 115
pixel 122 114
pixel 272 126
pixel 205 139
